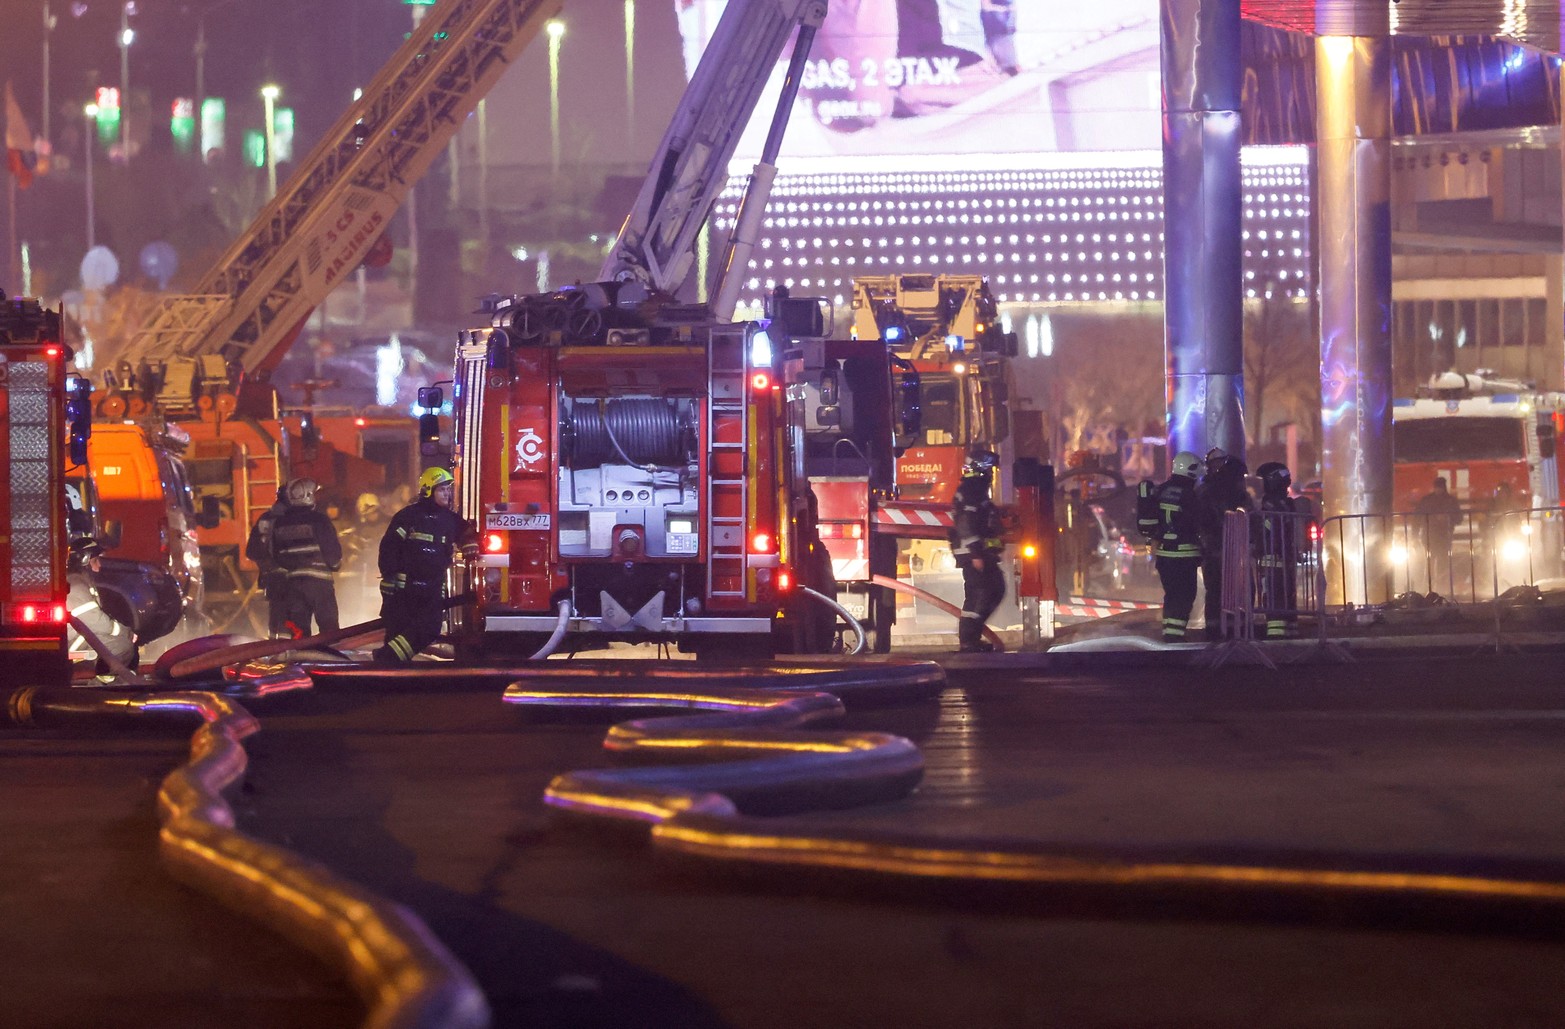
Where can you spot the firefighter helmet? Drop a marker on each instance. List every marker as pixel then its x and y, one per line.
pixel 1186 463
pixel 301 492
pixel 1274 476
pixel 980 463
pixel 432 478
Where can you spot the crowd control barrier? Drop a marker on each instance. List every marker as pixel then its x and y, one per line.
pixel 1468 558
pixel 1272 577
pixel 1281 570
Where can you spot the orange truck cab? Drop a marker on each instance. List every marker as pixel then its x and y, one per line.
pixel 145 497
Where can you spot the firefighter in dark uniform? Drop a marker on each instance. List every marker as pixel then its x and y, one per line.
pixel 1220 491
pixel 258 548
pixel 977 547
pixel 306 548
pixel 1170 523
pixel 415 554
pixel 1278 541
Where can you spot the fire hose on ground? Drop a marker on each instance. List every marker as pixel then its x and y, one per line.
pixel 858 648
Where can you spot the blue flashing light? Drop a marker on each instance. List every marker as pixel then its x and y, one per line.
pixel 956 344
pixel 893 333
pixel 1505 398
pixel 1402 402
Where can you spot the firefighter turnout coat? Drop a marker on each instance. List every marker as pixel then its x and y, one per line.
pixel 415 554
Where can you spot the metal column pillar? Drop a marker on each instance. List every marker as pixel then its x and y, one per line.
pixel 1353 129
pixel 1202 210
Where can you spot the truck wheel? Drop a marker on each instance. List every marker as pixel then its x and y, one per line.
pixel 883 611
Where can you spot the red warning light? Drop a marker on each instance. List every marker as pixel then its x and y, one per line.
pixel 760 381
pixel 761 543
pixel 494 543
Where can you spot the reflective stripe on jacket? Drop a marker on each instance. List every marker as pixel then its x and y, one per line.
pixel 1178 534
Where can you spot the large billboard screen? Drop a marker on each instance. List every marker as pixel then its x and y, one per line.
pixel 917 77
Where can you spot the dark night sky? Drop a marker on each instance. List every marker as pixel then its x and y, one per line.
pixel 317 50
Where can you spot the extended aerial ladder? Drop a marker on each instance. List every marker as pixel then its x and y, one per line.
pixel 339 202
pixel 689 171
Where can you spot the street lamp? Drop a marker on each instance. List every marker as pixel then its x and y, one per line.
pixel 200 48
pixel 91 111
pixel 630 72
pixel 269 95
pixel 556 29
pixel 127 37
pixel 49 22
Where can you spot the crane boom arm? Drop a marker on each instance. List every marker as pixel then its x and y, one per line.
pixel 690 167
pixel 318 228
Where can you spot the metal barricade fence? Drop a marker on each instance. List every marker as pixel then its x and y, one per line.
pixel 1471 557
pixel 1272 574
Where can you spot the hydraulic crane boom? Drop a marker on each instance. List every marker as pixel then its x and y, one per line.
pixel 317 230
pixel 690 168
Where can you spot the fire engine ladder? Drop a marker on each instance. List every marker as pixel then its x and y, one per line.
pixel 689 170
pixel 341 199
pixel 728 443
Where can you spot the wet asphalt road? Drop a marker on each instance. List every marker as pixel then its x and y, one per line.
pixel 431 798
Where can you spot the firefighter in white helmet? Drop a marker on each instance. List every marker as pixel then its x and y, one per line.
pixel 415 554
pixel 305 546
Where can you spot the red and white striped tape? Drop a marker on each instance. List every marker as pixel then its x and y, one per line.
pixel 1093 607
pixel 898 515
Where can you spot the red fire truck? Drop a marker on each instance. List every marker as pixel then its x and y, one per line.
pixel 947 328
pixel 1479 434
pixel 632 460
pixel 35 439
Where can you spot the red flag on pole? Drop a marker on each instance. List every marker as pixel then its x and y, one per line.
pixel 21 155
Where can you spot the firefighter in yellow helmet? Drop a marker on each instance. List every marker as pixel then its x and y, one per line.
pixel 415 554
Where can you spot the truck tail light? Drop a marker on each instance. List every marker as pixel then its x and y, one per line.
pixel 1313 530
pixel 33 614
pixel 761 543
pixel 760 382
pixel 1029 550
pixel 784 581
pixel 494 543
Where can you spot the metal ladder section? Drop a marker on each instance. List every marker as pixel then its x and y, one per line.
pixel 319 226
pixel 727 464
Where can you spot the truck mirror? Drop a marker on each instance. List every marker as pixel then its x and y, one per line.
pixel 909 418
pixel 798 317
pixel 828 416
pixel 78 413
pixel 428 434
pixel 431 398
pixel 113 532
pixel 829 388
